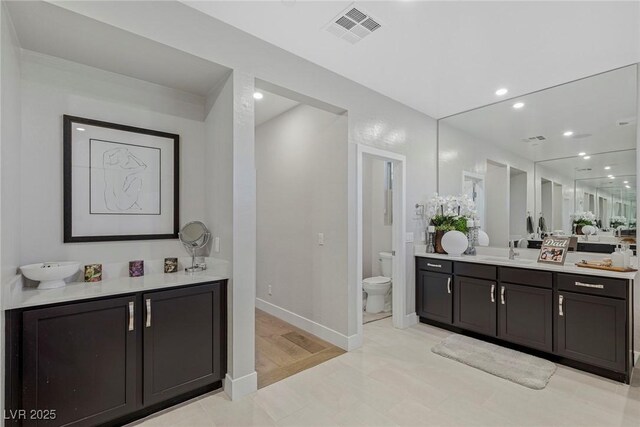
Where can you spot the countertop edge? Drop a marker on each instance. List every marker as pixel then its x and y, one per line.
pixel 567 268
pixel 24 298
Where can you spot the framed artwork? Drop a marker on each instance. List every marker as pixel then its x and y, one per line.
pixel 120 182
pixel 554 250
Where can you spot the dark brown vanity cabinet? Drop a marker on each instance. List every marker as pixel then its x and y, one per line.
pixel 79 363
pixel 525 307
pixel 525 316
pixel 474 306
pixel 592 328
pixel 114 359
pixel 182 335
pixel 434 296
pixel 576 319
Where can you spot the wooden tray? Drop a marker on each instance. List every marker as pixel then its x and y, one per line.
pixel 597 267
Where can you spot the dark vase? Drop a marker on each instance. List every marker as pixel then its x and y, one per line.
pixel 579 229
pixel 438 242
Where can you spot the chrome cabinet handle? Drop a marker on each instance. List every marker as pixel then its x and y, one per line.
pixel 131 315
pixel 148 322
pixel 560 300
pixel 449 285
pixel 493 293
pixel 589 285
pixel 502 300
pixel 434 265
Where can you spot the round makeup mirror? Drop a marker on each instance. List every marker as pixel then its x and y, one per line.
pixel 194 235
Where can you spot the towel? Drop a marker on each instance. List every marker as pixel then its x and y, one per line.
pixel 542 224
pixel 529 224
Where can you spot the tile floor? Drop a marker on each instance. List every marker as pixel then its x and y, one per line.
pixel 368 317
pixel 395 380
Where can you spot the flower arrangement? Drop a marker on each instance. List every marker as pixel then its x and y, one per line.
pixel 448 213
pixel 617 221
pixel 583 218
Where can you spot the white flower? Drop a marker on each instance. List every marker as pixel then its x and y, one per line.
pixel 450 205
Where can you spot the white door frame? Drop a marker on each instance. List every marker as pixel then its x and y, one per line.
pixel 399 294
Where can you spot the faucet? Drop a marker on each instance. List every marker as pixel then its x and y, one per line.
pixel 512 253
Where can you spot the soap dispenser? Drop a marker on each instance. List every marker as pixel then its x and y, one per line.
pixel 628 253
pixel 617 258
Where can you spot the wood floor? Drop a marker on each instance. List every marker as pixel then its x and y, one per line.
pixel 283 350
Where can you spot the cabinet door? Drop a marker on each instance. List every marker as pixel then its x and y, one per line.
pixel 475 305
pixel 183 336
pixel 591 329
pixel 434 296
pixel 526 316
pixel 80 361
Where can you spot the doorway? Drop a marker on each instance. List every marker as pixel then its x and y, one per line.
pixel 301 155
pixel 392 213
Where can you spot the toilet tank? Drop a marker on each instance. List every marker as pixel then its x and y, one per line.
pixel 385 259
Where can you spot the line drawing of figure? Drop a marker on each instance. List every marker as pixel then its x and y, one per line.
pixel 123 181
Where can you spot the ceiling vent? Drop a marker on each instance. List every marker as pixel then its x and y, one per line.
pixel 352 25
pixel 583 169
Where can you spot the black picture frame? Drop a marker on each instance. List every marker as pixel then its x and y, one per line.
pixel 68 145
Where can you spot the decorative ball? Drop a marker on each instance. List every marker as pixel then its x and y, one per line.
pixel 455 243
pixel 483 238
pixel 589 230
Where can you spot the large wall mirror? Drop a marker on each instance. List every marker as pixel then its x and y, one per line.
pixel 544 161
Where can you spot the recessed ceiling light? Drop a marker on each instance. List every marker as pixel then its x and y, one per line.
pixel 568 133
pixel 586 157
pixel 80 129
pixel 518 105
pixel 607 168
pixel 625 182
pixel 628 186
pixel 582 153
pixel 612 177
pixel 257 95
pixel 502 91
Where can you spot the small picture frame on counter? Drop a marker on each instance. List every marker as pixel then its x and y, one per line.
pixel 554 250
pixel 93 273
pixel 136 268
pixel 171 265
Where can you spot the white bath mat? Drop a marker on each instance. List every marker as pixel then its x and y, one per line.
pixel 521 368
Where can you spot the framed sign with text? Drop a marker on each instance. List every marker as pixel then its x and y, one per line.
pixel 554 250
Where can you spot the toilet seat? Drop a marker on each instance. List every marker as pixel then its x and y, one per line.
pixel 377 280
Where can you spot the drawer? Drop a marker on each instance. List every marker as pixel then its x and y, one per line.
pixel 521 276
pixel 593 285
pixel 480 271
pixel 434 264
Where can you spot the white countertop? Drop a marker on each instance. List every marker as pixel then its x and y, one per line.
pixel 529 263
pixel 23 297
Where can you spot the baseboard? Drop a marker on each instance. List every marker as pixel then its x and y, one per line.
pixel 239 387
pixel 409 320
pixel 354 342
pixel 636 357
pixel 321 331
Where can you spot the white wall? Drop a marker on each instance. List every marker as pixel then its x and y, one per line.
pixel 497 204
pixel 373 118
pixel 11 129
pixel 10 133
pixel 301 165
pixel 376 235
pixel 460 152
pixel 518 192
pixel 52 87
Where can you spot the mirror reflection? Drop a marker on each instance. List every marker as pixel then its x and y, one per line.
pixel 550 162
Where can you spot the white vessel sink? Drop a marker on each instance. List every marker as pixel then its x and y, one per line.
pixel 51 275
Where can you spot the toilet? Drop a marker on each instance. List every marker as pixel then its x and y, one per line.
pixel 378 288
